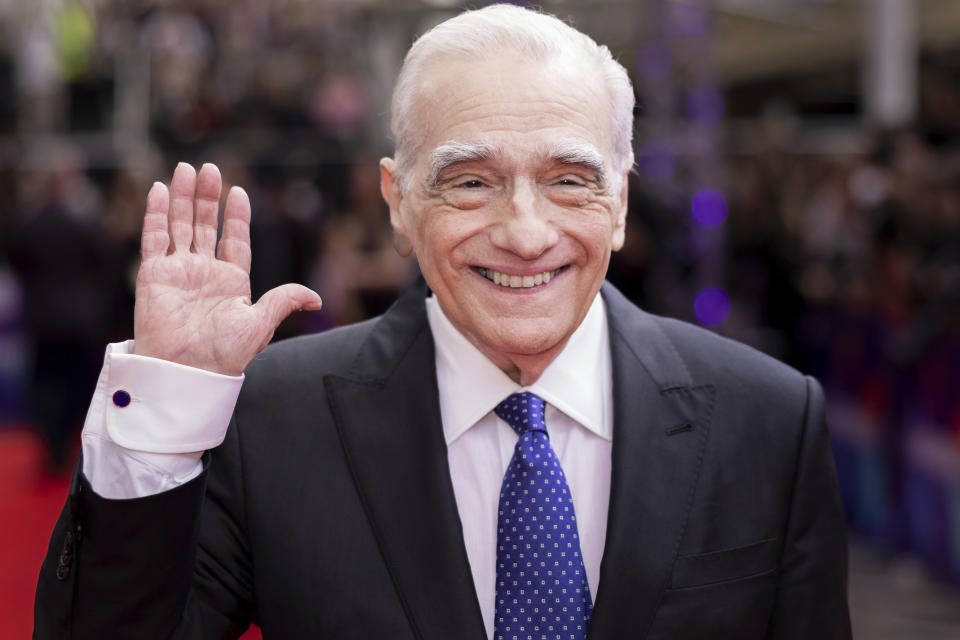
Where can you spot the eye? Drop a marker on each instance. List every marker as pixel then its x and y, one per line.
pixel 471 184
pixel 569 182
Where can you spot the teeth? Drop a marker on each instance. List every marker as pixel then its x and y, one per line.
pixel 517 282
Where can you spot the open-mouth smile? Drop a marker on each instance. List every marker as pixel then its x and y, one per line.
pixel 518 282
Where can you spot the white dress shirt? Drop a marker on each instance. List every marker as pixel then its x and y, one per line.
pixel 176 412
pixel 577 387
pixel 155 442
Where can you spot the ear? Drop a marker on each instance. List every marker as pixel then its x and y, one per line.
pixel 392 195
pixel 620 223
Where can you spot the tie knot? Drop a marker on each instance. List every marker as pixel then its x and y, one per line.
pixel 523 412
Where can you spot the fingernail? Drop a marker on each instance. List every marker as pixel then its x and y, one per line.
pixel 181 165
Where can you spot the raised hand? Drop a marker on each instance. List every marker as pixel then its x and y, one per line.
pixel 193 302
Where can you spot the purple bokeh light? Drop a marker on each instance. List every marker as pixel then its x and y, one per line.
pixel 705 107
pixel 712 306
pixel 709 207
pixel 654 61
pixel 690 19
pixel 656 160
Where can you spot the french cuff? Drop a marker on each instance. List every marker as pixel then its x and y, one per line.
pixel 157 406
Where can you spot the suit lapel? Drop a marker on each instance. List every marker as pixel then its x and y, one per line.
pixel 661 423
pixel 388 419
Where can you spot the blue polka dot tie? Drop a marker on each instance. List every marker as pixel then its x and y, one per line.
pixel 542 590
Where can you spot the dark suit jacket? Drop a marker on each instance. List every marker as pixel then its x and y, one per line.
pixel 328 511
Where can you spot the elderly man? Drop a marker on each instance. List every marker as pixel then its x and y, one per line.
pixel 512 451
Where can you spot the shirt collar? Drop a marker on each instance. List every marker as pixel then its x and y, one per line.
pixel 578 382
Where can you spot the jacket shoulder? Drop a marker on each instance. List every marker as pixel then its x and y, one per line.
pixel 711 357
pixel 312 356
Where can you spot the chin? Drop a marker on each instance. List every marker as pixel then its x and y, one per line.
pixel 528 340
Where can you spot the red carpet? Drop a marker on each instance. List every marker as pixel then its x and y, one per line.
pixel 31 502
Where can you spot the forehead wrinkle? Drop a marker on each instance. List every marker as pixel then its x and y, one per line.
pixel 518 109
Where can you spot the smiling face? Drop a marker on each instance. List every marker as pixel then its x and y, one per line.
pixel 511 203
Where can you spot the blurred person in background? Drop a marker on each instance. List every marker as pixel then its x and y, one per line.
pixel 121 222
pixel 360 272
pixel 58 249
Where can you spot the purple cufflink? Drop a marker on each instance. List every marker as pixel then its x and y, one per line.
pixel 121 398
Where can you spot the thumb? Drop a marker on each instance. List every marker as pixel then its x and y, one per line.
pixel 281 301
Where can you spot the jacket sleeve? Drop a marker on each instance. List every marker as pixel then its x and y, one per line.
pixel 811 597
pixel 171 565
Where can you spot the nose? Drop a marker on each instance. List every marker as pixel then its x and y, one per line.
pixel 525 229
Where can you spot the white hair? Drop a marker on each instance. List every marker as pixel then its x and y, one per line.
pixel 477 34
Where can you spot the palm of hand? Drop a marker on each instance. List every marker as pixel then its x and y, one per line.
pixel 197 312
pixel 194 307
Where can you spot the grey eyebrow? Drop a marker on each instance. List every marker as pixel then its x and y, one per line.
pixel 579 154
pixel 454 153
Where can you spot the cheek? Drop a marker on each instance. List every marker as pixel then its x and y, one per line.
pixel 441 235
pixel 596 234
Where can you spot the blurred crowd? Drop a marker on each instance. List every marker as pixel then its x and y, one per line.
pixel 845 264
pixel 873 255
pixel 98 100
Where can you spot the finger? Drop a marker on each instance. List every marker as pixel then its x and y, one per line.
pixel 281 301
pixel 182 188
pixel 235 243
pixel 155 239
pixel 205 209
